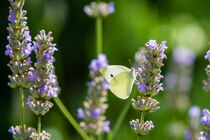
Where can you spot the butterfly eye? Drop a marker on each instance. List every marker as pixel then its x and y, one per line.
pixel 112 75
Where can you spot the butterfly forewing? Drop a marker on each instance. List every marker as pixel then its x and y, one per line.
pixel 109 72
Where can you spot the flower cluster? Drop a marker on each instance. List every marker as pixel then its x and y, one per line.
pixel 42 77
pixel 28 134
pixel 19 47
pixel 193 131
pixel 18 133
pixel 178 80
pixel 148 64
pixel 93 120
pixel 204 136
pixel 205 119
pixel 99 9
pixel 207 69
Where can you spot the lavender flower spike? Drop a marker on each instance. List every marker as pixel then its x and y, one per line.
pixel 194 112
pixel 205 118
pixel 148 75
pixel 19 47
pixel 42 77
pixel 93 119
pixel 207 69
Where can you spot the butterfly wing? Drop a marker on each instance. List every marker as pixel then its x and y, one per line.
pixel 121 80
pixel 109 72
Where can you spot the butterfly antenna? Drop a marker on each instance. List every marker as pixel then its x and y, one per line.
pixel 130 62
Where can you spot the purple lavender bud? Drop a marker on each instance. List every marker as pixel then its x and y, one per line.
pixel 194 112
pixel 8 51
pixel 54 48
pixel 152 44
pixel 34 47
pixel 105 85
pixel 208 137
pixel 80 113
pixel 53 92
pixel 28 101
pixel 29 60
pixel 151 125
pixel 205 117
pixel 11 130
pixel 27 36
pixel 188 135
pixel 96 113
pixel 110 9
pixel 207 56
pixel 32 76
pixel 141 87
pixel 184 56
pixel 12 16
pixel 93 65
pixel 8 38
pixel 43 89
pixel 106 127
pixel 160 88
pixel 100 62
pixel 163 47
pixel 53 79
pixel 27 49
pixel 48 57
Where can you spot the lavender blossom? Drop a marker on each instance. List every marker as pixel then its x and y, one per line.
pixel 178 81
pixel 19 47
pixel 184 56
pixel 207 56
pixel 205 118
pixel 99 9
pixel 18 133
pixel 207 69
pixel 93 119
pixel 148 64
pixel 194 112
pixel 42 78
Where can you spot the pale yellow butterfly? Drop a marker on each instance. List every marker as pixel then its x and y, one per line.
pixel 120 79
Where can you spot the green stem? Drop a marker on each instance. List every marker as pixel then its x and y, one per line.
pixel 71 120
pixel 138 137
pixel 142 116
pixel 22 108
pixel 39 125
pixel 99 36
pixel 122 116
pixel 100 137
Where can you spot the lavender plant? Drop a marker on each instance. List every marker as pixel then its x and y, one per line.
pixel 44 85
pixel 178 80
pixel 99 10
pixel 205 120
pixel 94 121
pixel 205 116
pixel 207 69
pixel 193 131
pixel 148 70
pixel 19 49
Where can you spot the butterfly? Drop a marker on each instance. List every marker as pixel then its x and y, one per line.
pixel 120 79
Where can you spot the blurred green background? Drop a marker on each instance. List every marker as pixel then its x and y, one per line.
pixel 179 22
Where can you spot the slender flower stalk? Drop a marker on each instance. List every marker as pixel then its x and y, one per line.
pixel 19 49
pixel 94 121
pixel 99 10
pixel 70 118
pixel 178 80
pixel 193 131
pixel 148 64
